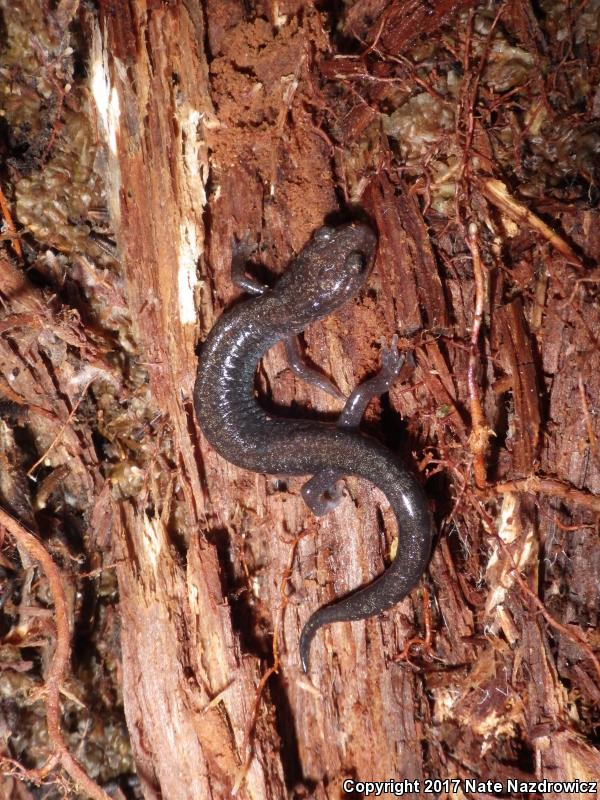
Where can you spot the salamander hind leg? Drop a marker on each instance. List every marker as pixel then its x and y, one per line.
pixel 392 363
pixel 322 492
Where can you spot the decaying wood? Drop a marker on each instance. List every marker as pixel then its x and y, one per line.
pixel 197 125
pixel 60 664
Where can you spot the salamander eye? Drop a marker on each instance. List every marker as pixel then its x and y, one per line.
pixel 356 262
pixel 324 234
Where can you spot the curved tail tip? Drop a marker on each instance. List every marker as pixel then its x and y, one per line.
pixel 306 637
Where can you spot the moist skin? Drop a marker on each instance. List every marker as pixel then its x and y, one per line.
pixel 331 269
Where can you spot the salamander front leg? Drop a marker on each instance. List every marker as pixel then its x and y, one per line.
pixel 391 365
pixel 240 253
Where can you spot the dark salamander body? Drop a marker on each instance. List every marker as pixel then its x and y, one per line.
pixel 330 270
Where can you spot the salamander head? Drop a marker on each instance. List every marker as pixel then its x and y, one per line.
pixel 331 268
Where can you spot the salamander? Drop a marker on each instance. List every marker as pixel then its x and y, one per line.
pixel 330 270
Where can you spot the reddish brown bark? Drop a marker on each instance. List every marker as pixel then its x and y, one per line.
pixel 276 174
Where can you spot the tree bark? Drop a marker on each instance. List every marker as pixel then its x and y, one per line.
pixel 176 620
pixel 211 148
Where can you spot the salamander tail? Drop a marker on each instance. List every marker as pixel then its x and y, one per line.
pixel 306 637
pixel 322 616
